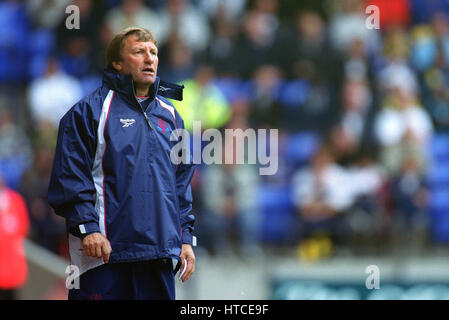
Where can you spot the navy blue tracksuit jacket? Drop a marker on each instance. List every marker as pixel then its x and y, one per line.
pixel 112 174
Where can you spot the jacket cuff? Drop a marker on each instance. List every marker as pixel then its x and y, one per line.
pixel 85 229
pixel 188 238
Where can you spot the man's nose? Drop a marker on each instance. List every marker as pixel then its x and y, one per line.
pixel 149 57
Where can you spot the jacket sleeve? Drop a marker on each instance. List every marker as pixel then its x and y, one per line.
pixel 184 173
pixel 71 191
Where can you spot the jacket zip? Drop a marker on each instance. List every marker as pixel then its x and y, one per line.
pixel 140 107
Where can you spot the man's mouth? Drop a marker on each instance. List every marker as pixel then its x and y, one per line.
pixel 148 70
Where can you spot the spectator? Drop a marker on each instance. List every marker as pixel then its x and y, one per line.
pixel 231 10
pixel 319 198
pixel 312 59
pixel 75 59
pixel 264 105
pixel 230 205
pixel 356 62
pixel 203 101
pixel 316 111
pixel 257 44
pixel 51 96
pixel 182 20
pixel 180 65
pixel 395 71
pixel 310 46
pixel 430 56
pixel 47 13
pixel 402 129
pixel 134 13
pixel 423 48
pixel 220 50
pixel 347 23
pixel 368 180
pixel 13 230
pixel 79 45
pixel 47 229
pixel 410 198
pixel 15 150
pixel 354 127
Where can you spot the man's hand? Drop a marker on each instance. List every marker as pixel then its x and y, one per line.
pixel 96 245
pixel 187 255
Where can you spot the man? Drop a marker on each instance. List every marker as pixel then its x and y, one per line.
pixel 127 206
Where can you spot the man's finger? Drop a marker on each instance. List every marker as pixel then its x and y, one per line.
pixel 189 271
pixel 106 252
pixel 98 252
pixel 186 267
pixel 182 268
pixel 87 250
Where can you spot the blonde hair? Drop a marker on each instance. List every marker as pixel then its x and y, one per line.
pixel 115 47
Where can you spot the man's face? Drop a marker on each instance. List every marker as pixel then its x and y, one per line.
pixel 140 60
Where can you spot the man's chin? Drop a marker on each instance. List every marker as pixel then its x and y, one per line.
pixel 145 82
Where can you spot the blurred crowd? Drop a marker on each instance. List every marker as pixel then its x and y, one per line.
pixel 356 109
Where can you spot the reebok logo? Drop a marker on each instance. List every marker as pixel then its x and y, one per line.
pixel 127 122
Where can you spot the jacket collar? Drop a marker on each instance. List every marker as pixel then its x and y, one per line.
pixel 124 85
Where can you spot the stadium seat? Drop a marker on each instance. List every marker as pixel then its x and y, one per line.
pixel 277 219
pixel 14 41
pixel 233 88
pixel 301 147
pixel 439 147
pixel 439 228
pixel 438 179
pixel 293 94
pixel 42 42
pixel 12 170
pixel 438 175
pixel 90 83
pixel 37 66
pixel 422 11
pixel 438 202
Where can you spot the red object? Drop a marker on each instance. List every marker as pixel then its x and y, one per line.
pixel 392 12
pixel 14 225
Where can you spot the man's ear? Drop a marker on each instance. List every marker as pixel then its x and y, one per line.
pixel 117 65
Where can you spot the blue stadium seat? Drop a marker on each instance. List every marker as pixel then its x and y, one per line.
pixel 439 215
pixel 42 42
pixel 233 88
pixel 439 147
pixel 277 217
pixel 439 228
pixel 90 83
pixel 12 170
pixel 438 202
pixel 111 3
pixel 422 11
pixel 301 147
pixel 37 66
pixel 14 41
pixel 438 179
pixel 293 94
pixel 438 175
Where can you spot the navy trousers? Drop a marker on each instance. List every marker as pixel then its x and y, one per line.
pixel 142 280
